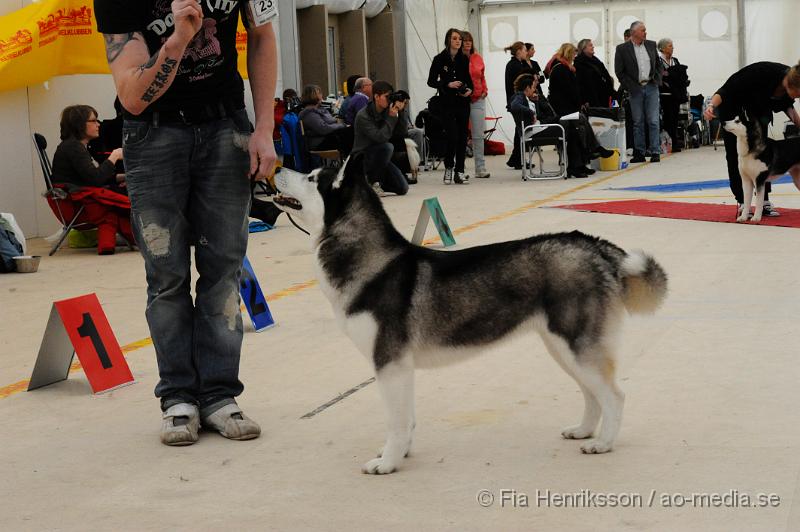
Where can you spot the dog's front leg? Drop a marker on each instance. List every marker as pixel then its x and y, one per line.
pixel 747 189
pixel 396 385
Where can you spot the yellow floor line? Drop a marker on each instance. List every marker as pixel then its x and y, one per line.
pixel 11 389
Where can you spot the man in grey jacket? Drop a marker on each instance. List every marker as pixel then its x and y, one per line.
pixel 374 126
pixel 639 72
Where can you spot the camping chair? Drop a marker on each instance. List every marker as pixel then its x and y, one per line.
pixel 66 210
pixel 327 158
pixel 533 137
pixel 84 208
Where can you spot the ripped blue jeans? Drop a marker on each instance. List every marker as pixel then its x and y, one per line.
pixel 189 186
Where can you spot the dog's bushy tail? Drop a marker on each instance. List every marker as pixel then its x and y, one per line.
pixel 413 154
pixel 645 283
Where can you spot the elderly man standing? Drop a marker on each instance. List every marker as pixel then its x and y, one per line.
pixel 359 100
pixel 639 72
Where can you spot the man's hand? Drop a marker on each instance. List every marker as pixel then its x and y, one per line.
pixel 454 84
pixel 262 155
pixel 708 114
pixel 188 16
pixel 466 93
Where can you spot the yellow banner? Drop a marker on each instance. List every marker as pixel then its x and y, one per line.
pixel 59 37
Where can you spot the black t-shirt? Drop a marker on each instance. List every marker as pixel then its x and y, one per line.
pixel 752 89
pixel 208 70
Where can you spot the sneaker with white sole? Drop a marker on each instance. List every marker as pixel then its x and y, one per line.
pixel 448 176
pixel 460 178
pixel 482 174
pixel 769 210
pixel 180 424
pixel 376 186
pixel 231 422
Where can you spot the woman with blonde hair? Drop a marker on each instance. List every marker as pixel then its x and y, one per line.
pixel 477 113
pixel 564 94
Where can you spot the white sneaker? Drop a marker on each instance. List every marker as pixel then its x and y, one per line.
pixel 231 422
pixel 180 424
pixel 769 210
pixel 448 176
pixel 376 186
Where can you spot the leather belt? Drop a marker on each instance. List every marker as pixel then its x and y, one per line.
pixel 193 115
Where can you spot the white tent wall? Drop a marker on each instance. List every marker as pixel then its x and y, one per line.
pixel 771 31
pixel 547 26
pixel 426 23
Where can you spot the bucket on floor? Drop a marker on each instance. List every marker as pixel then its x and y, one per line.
pixel 82 239
pixel 27 263
pixel 610 164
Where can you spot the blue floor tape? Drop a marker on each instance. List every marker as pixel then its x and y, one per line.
pixel 693 185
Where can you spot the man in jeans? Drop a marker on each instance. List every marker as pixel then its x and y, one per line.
pixel 374 127
pixel 189 155
pixel 639 72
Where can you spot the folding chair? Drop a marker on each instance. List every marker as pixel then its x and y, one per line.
pixel 533 137
pixel 66 210
pixel 326 157
pixel 84 208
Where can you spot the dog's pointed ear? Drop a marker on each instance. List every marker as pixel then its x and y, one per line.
pixel 340 176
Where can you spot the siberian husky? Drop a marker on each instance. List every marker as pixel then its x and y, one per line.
pixel 760 162
pixel 406 306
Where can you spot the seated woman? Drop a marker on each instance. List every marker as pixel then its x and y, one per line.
pixel 581 143
pixel 73 165
pixel 322 130
pixel 72 162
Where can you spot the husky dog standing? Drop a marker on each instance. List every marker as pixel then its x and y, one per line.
pixel 760 162
pixel 406 306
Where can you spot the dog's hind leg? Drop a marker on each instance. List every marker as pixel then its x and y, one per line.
pixel 565 357
pixel 396 385
pixel 597 373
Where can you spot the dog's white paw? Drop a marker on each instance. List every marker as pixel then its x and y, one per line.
pixel 596 447
pixel 379 466
pixel 741 219
pixel 576 432
pixel 405 454
pixel 755 219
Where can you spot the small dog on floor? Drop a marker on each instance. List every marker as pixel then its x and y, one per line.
pixel 413 158
pixel 406 306
pixel 760 162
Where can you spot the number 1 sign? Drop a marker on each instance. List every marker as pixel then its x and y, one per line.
pixel 79 325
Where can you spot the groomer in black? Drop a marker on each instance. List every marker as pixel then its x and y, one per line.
pixel 757 90
pixel 449 74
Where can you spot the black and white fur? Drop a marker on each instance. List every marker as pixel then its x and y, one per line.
pixel 760 162
pixel 406 306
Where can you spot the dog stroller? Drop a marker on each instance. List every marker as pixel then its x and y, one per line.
pixel 435 138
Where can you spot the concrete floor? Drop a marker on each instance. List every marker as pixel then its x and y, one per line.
pixel 711 384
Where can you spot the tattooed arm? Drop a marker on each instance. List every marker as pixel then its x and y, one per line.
pixel 139 79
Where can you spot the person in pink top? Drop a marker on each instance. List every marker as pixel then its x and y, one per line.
pixel 477 110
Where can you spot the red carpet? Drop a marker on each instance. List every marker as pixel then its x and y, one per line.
pixel 706 212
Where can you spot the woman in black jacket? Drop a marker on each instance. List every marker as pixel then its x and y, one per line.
pixel 72 162
pixel 564 94
pixel 449 75
pixel 515 67
pixel 759 90
pixel 595 84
